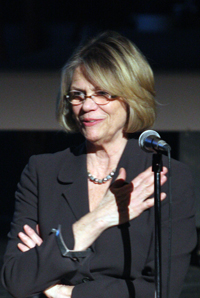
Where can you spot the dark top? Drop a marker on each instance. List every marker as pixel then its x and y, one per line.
pixel 53 190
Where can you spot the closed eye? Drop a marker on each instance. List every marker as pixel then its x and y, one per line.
pixel 102 93
pixel 75 94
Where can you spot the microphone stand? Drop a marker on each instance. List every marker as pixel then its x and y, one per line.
pixel 157 168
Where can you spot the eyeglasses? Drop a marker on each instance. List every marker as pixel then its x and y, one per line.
pixel 99 97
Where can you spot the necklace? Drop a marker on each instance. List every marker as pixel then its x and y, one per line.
pixel 103 180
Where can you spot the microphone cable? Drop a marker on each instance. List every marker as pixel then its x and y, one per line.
pixel 169 223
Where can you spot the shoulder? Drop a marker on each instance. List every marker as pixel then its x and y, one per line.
pixel 49 157
pixel 179 171
pixel 52 161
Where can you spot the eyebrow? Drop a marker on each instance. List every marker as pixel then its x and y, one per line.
pixel 82 90
pixel 76 89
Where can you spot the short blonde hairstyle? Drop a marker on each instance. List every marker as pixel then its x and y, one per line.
pixel 114 64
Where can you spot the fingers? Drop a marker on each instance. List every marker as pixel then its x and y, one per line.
pixel 38 229
pixel 120 188
pixel 33 235
pixel 26 240
pixel 151 201
pixel 122 174
pixel 61 291
pixel 141 188
pixel 146 178
pixel 141 197
pixel 22 247
pixel 120 180
pixel 29 239
pixel 148 172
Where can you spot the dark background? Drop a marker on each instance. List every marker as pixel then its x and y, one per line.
pixel 38 34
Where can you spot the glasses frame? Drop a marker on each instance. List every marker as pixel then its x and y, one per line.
pixel 92 96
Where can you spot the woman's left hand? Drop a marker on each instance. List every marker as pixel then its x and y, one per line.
pixel 29 240
pixel 59 291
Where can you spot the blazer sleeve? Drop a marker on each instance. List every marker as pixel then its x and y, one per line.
pixel 28 273
pixel 183 241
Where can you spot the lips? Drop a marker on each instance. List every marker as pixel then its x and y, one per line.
pixel 90 122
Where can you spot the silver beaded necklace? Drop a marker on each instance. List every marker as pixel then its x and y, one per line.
pixel 103 180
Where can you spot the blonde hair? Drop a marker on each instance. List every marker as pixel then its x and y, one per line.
pixel 114 64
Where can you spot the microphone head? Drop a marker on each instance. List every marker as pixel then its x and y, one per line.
pixel 144 135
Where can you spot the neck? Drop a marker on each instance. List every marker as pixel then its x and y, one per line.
pixel 102 159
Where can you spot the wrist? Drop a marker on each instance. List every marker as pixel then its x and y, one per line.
pixel 87 230
pixel 65 251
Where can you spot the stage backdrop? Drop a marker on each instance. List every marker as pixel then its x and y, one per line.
pixel 27 101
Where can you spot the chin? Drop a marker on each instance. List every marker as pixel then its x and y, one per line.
pixel 94 139
pixel 91 136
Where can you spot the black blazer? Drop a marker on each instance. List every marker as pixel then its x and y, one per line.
pixel 53 190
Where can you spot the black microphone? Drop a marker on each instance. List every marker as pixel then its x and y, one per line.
pixel 150 141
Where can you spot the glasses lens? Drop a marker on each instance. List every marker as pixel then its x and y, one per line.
pixel 76 97
pixel 101 97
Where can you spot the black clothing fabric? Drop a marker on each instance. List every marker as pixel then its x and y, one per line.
pixel 53 190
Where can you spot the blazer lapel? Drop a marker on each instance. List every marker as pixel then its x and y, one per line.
pixel 73 177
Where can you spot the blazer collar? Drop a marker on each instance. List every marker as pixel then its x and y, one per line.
pixel 73 164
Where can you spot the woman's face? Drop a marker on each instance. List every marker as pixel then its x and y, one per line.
pixel 98 123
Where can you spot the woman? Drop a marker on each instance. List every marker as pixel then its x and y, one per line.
pixel 97 199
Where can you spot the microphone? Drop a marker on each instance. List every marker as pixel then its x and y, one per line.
pixel 150 141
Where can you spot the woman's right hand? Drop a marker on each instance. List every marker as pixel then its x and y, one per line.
pixel 121 203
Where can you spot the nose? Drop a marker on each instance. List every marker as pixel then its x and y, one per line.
pixel 89 104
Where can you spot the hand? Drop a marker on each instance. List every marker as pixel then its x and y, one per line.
pixel 59 291
pixel 121 203
pixel 30 238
